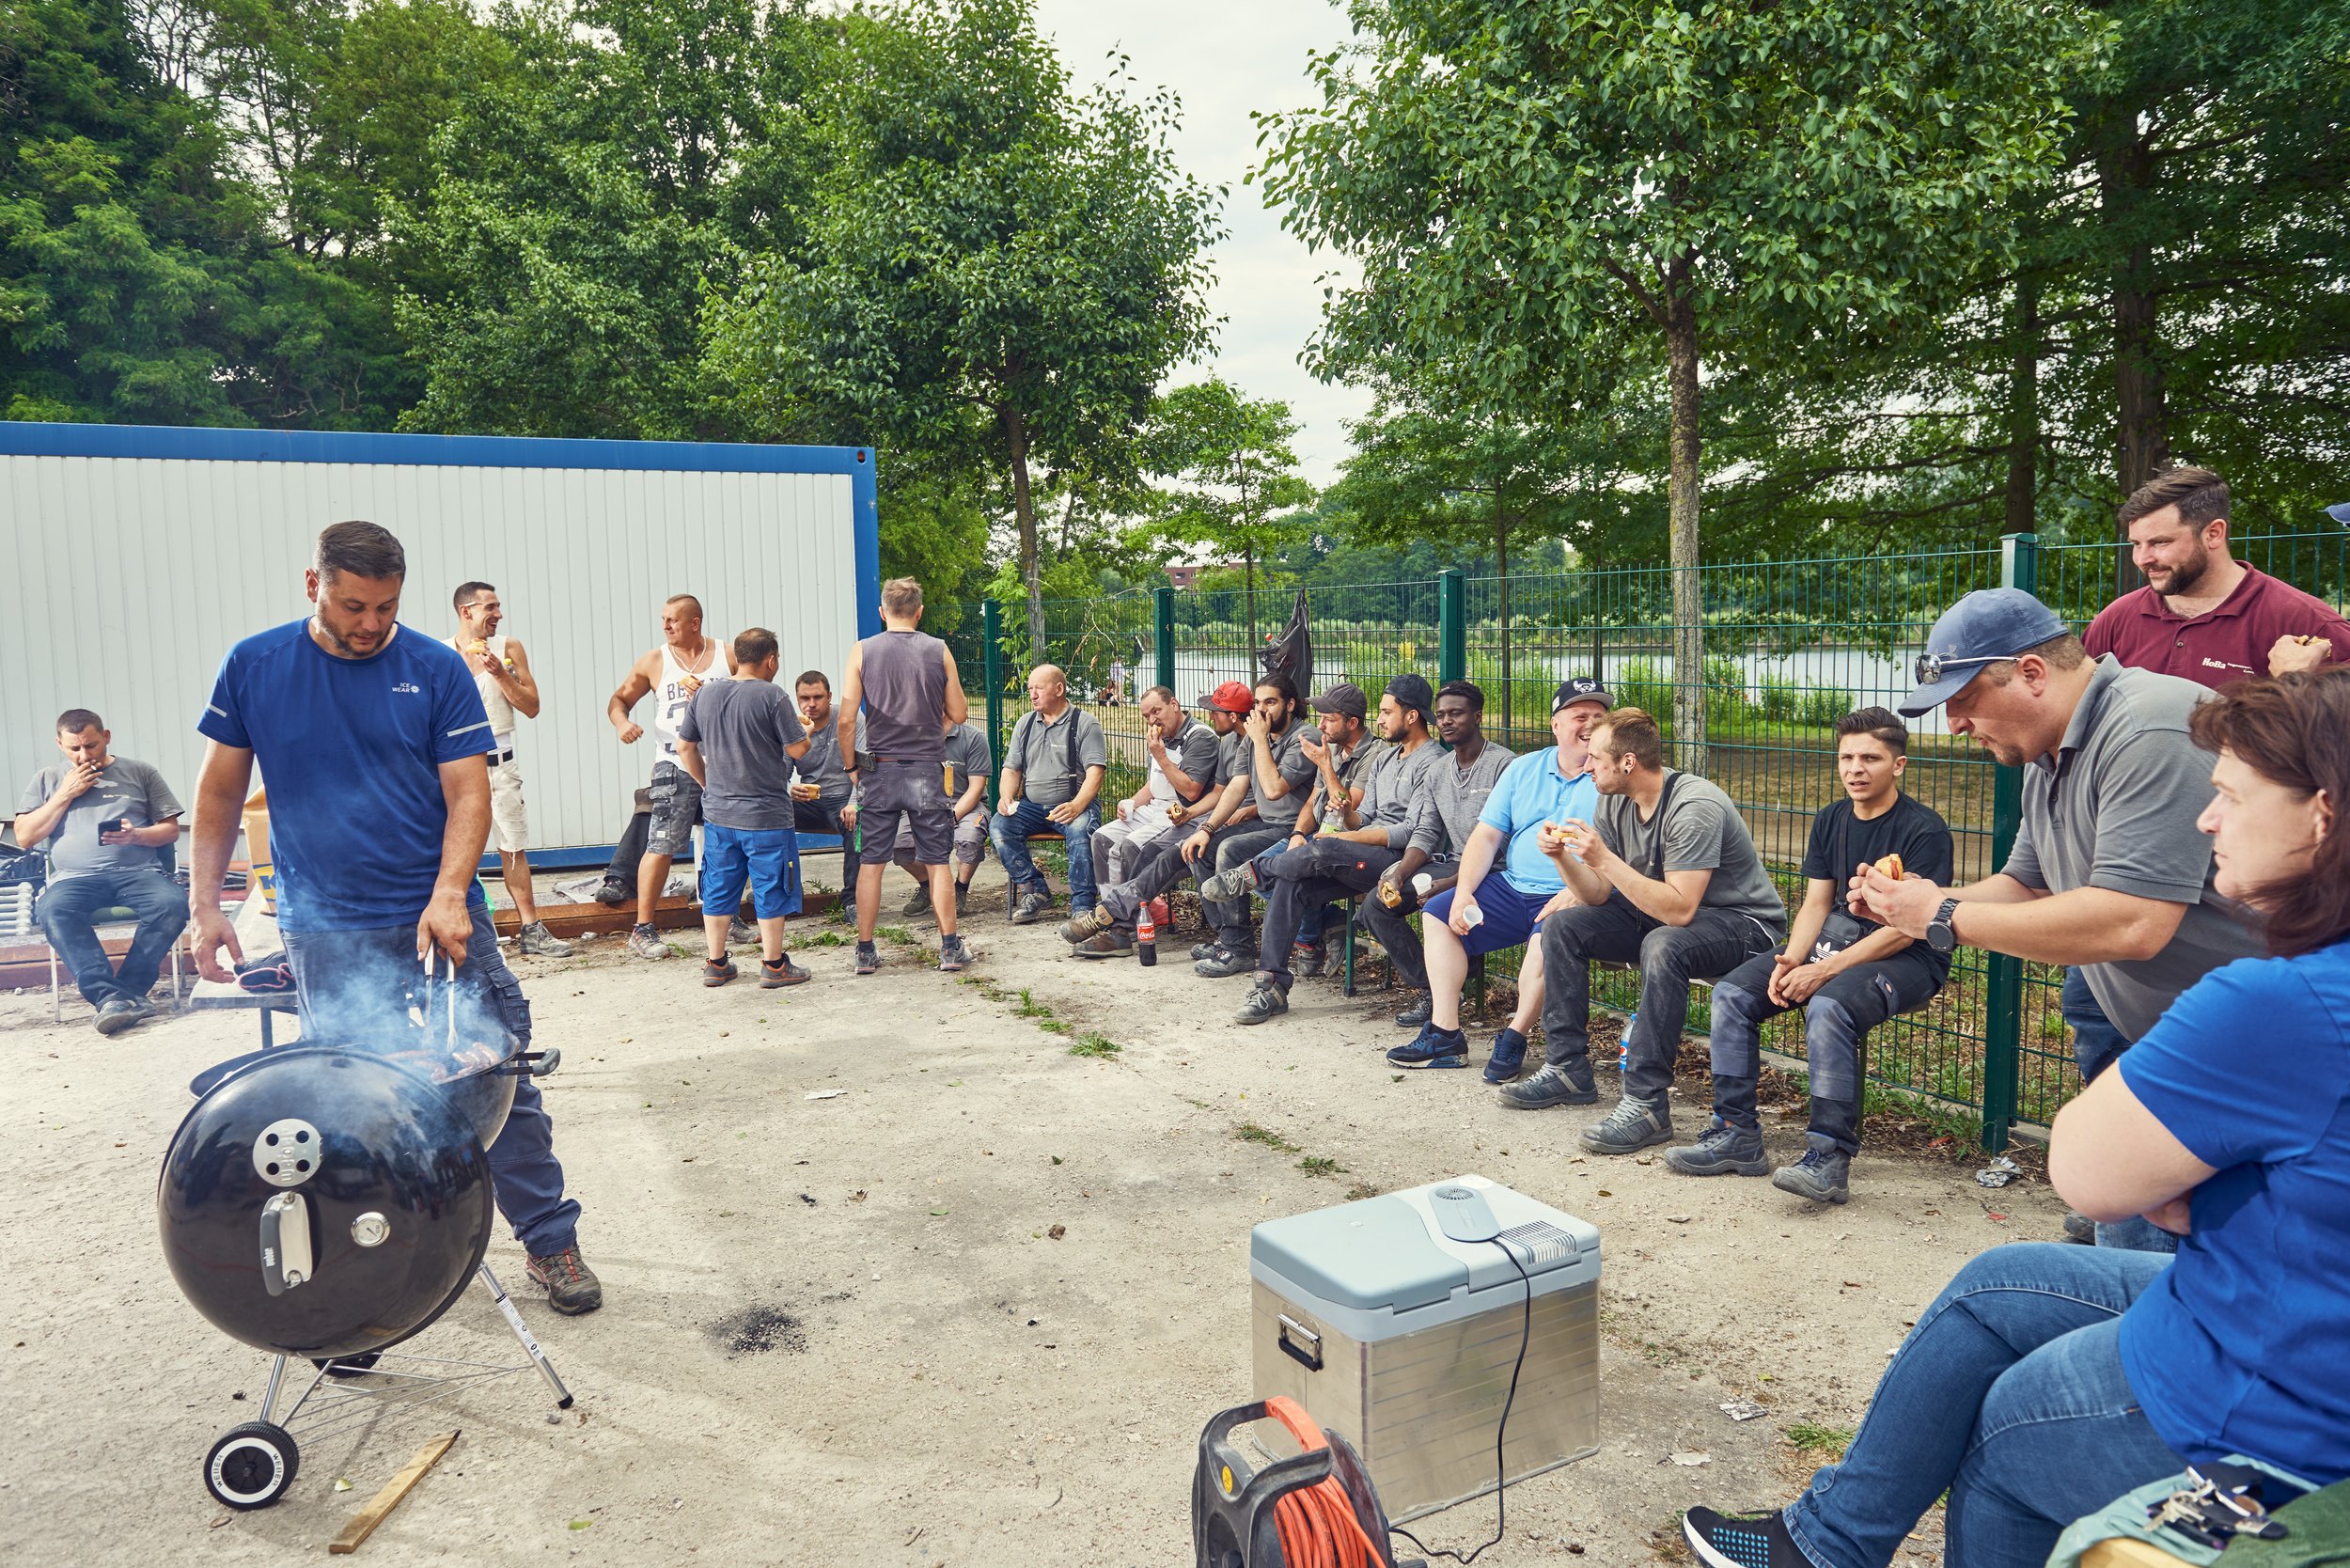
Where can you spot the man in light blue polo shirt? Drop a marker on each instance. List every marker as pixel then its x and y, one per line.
pixel 1486 913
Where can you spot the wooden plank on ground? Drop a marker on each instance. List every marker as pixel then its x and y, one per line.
pixel 363 1522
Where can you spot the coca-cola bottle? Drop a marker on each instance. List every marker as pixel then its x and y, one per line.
pixel 1146 935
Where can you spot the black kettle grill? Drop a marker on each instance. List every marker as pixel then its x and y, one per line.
pixel 328 1201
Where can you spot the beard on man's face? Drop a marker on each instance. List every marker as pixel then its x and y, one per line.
pixel 2186 573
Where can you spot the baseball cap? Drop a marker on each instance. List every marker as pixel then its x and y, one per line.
pixel 1345 698
pixel 1232 696
pixel 1413 691
pixel 1980 630
pixel 1581 689
pixel 2341 513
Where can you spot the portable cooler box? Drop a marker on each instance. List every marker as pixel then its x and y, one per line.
pixel 1390 1328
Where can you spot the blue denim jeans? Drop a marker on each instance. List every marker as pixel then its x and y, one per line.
pixel 64 914
pixel 2010 1394
pixel 2097 1045
pixel 1010 832
pixel 362 968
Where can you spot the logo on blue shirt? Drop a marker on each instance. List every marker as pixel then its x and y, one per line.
pixel 407 687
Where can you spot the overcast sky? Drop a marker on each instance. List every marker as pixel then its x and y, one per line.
pixel 1225 58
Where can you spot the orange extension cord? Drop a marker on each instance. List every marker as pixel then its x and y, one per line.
pixel 1316 1523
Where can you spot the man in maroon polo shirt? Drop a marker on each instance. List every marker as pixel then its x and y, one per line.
pixel 2203 615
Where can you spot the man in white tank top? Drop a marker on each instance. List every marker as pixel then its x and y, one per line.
pixel 501 670
pixel 671 673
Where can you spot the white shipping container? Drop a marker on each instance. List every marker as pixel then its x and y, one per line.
pixel 140 554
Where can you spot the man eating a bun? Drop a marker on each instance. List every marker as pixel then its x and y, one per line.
pixel 1846 973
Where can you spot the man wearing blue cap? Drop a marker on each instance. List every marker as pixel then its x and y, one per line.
pixel 2108 874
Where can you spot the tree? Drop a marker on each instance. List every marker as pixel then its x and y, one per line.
pixel 1234 471
pixel 1523 183
pixel 981 243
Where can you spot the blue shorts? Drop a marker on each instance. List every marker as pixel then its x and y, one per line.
pixel 1510 915
pixel 767 860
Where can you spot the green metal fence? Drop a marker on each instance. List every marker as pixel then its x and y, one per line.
pixel 1790 647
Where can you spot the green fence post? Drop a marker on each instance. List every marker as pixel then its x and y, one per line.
pixel 1163 635
pixel 2003 1009
pixel 1451 626
pixel 992 628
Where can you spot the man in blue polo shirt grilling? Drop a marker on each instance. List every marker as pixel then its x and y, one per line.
pixel 372 738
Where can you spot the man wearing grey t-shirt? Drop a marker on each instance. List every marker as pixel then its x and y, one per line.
pixel 107 825
pixel 2108 874
pixel 1667 878
pixel 1053 770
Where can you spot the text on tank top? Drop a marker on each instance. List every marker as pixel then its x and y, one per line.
pixel 904 682
pixel 493 695
pixel 677 688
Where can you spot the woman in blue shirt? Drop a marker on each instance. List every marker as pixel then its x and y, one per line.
pixel 2047 1380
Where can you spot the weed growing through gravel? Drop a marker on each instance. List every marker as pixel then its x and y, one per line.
pixel 1029 1007
pixel 1320 1164
pixel 1095 1045
pixel 824 939
pixel 898 935
pixel 1811 1437
pixel 1359 1191
pixel 1248 1132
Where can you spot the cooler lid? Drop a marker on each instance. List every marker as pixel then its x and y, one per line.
pixel 1391 1253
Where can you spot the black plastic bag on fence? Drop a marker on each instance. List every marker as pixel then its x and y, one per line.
pixel 1291 653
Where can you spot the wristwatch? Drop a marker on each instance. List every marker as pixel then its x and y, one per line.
pixel 1941 934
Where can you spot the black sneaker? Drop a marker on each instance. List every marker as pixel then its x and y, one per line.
pixel 1550 1085
pixel 1722 1149
pixel 952 954
pixel 1308 959
pixel 613 893
pixel 1265 1000
pixel 1031 908
pixel 1509 1057
pixel 1205 949
pixel 1226 963
pixel 117 1013
pixel 1417 1015
pixel 1633 1125
pixel 2080 1229
pixel 1226 887
pixel 1824 1175
pixel 917 904
pixel 867 958
pixel 1434 1048
pixel 571 1286
pixel 783 972
pixel 1740 1540
pixel 717 971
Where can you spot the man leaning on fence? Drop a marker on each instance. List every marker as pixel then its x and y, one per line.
pixel 1847 975
pixel 109 825
pixel 1665 877
pixel 2108 872
pixel 1052 778
pixel 1458 782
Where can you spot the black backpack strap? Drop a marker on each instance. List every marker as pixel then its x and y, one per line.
pixel 1664 799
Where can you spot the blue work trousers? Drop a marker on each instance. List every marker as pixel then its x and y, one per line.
pixel 369 973
pixel 1010 832
pixel 2010 1394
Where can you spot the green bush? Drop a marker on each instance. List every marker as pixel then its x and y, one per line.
pixel 1826 706
pixel 1642 684
pixel 1781 699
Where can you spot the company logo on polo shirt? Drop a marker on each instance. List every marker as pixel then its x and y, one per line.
pixel 407 687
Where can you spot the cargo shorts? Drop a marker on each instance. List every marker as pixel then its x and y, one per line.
pixel 677 811
pixel 914 794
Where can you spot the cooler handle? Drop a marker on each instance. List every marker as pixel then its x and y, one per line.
pixel 1308 1356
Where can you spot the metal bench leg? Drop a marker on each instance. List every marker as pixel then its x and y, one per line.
pixel 56 996
pixel 1354 907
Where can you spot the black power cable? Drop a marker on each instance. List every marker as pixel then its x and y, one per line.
pixel 1501 1465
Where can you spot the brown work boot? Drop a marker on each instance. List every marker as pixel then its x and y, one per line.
pixel 571 1286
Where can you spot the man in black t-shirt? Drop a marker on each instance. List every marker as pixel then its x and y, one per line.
pixel 1848 974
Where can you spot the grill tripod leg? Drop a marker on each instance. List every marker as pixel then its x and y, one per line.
pixel 522 1333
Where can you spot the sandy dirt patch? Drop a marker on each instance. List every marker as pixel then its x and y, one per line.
pixel 840 1331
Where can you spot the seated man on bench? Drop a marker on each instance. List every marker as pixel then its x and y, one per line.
pixel 107 821
pixel 1053 770
pixel 1669 879
pixel 1848 974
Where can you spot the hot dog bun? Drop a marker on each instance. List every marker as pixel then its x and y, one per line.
pixel 1891 866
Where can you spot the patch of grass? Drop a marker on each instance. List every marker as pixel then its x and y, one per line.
pixel 1052 1026
pixel 1321 1164
pixel 1811 1437
pixel 1667 1541
pixel 1095 1045
pixel 1248 1132
pixel 1359 1191
pixel 824 939
pixel 1029 1007
pixel 898 935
